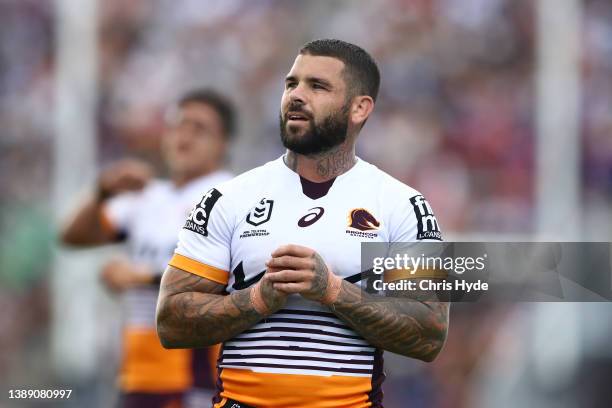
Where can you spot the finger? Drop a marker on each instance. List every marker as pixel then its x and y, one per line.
pixel 290 262
pixel 117 262
pixel 141 173
pixel 290 287
pixel 293 250
pixel 134 166
pixel 288 275
pixel 124 183
pixel 135 183
pixel 134 179
pixel 273 270
pixel 134 173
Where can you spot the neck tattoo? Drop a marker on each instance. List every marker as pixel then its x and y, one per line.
pixel 329 165
pixel 335 163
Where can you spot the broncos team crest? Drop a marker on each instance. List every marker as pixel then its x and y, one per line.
pixel 361 222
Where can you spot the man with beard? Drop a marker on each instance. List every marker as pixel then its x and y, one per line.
pixel 265 261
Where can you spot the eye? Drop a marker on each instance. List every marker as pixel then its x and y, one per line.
pixel 290 85
pixel 199 128
pixel 317 86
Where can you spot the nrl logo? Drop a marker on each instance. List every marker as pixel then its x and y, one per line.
pixel 261 213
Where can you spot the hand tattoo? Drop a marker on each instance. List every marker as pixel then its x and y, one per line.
pixel 274 299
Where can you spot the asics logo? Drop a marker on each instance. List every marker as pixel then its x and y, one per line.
pixel 310 218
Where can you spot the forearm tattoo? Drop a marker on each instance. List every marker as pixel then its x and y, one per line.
pixel 187 317
pixel 413 327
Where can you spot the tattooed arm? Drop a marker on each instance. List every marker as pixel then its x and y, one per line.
pixel 193 311
pixel 413 327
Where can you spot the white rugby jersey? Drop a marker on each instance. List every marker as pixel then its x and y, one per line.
pixel 148 221
pixel 302 355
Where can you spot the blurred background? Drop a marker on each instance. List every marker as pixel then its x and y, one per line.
pixel 498 111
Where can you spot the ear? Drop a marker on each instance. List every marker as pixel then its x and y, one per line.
pixel 361 108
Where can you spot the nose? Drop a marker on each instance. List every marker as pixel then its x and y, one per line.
pixel 296 95
pixel 183 133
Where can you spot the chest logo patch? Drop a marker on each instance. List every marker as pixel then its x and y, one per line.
pixel 311 217
pixel 362 220
pixel 362 224
pixel 261 213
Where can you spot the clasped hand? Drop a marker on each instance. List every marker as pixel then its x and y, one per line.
pixel 296 269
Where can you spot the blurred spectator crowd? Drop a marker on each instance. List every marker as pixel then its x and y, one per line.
pixel 455 117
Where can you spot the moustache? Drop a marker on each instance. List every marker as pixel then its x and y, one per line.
pixel 297 108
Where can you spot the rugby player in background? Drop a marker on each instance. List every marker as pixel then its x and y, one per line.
pixel 129 205
pixel 265 261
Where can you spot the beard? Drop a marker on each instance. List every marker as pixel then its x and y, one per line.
pixel 317 138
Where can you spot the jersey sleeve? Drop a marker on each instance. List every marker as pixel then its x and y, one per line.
pixel 117 214
pixel 414 220
pixel 205 240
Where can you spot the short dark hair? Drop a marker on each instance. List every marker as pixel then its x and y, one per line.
pixel 223 106
pixel 360 69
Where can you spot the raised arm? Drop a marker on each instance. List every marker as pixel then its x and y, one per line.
pixel 194 312
pixel 86 226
